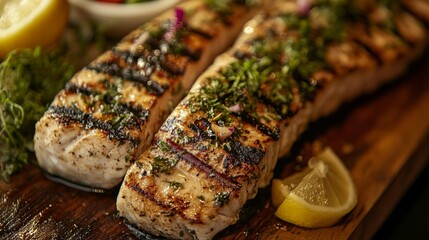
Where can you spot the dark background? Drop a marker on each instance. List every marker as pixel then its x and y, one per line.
pixel 410 219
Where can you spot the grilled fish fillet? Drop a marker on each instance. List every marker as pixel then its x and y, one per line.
pixel 221 143
pixel 109 111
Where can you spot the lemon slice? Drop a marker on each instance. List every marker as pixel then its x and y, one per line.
pixel 31 23
pixel 318 196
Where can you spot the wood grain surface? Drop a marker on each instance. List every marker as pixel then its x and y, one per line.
pixel 382 138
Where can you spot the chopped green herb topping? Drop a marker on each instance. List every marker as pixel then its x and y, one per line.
pixel 109 102
pixel 175 185
pixel 278 70
pixel 162 165
pixel 201 197
pixel 163 146
pixel 241 83
pixel 168 39
pixel 229 89
pixel 221 199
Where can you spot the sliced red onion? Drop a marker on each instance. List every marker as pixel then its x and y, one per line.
pixel 235 108
pixel 177 24
pixel 304 7
pixel 180 17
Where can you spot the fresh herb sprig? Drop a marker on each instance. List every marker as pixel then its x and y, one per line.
pixel 29 79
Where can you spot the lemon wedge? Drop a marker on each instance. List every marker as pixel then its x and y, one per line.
pixel 318 196
pixel 31 23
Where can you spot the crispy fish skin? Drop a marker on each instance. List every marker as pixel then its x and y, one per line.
pixel 110 110
pixel 194 179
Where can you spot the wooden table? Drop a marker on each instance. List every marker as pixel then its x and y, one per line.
pixel 382 138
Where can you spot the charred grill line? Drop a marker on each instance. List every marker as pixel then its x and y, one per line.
pixel 141 113
pixel 371 52
pixel 241 55
pixel 199 32
pixel 68 115
pixel 300 78
pixel 138 189
pixel 154 60
pixel 127 56
pixel 73 88
pixel 273 133
pixel 189 49
pixel 172 66
pixel 195 162
pixel 203 129
pixel 193 55
pixel 138 76
pixel 168 207
pixel 243 153
pixel 276 106
pixel 159 55
pixel 420 18
pixel 201 133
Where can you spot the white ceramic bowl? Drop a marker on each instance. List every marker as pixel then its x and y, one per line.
pixel 118 19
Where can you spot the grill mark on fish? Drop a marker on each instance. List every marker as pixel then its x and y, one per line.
pixel 192 54
pixel 241 153
pixel 195 162
pixel 177 207
pixel 200 33
pixel 71 88
pixel 420 18
pixel 203 129
pixel 174 64
pixel 300 78
pixel 159 53
pixel 147 61
pixel 69 115
pixel 240 55
pixel 277 107
pixel 138 76
pixel 141 114
pixel 370 51
pixel 272 133
pixel 194 44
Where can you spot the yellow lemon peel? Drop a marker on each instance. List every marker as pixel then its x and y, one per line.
pixel 318 196
pixel 31 23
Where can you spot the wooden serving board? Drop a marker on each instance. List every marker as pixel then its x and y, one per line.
pixel 382 138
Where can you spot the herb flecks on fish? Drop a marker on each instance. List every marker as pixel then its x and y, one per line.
pixel 276 70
